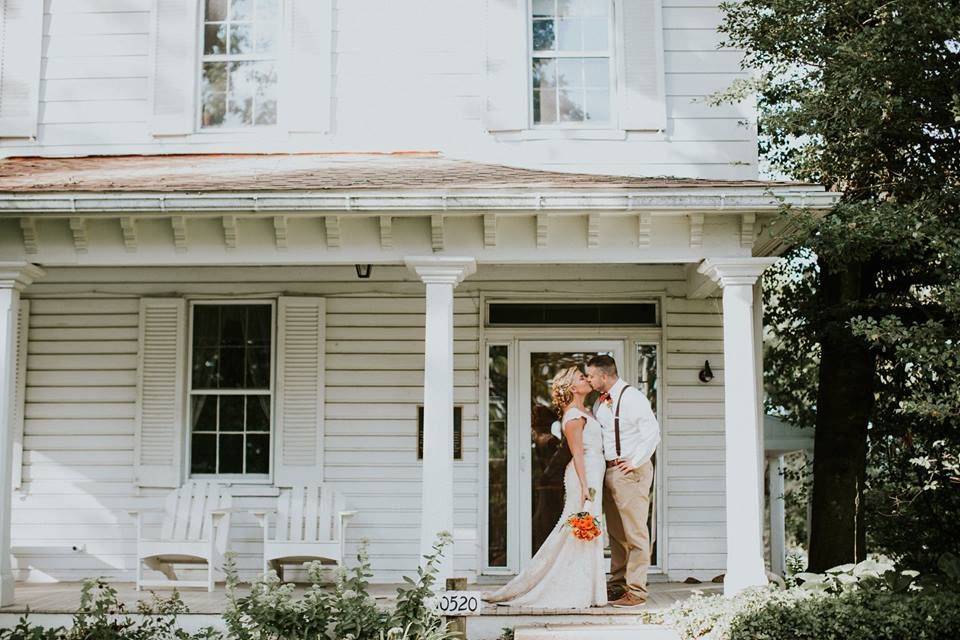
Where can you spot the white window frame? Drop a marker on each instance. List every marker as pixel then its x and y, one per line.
pixel 613 54
pixel 236 478
pixel 279 57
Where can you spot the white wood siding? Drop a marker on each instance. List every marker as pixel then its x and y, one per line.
pixel 80 408
pixel 415 57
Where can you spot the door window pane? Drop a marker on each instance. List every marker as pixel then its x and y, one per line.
pixel 648 383
pixel 497 368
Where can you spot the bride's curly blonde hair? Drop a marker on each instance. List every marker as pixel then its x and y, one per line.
pixel 561 390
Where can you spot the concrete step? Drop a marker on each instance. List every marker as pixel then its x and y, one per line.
pixel 595 632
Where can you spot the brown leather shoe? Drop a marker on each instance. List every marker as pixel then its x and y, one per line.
pixel 615 592
pixel 629 600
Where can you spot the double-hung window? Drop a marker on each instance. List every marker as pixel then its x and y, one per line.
pixel 240 58
pixel 231 388
pixel 572 62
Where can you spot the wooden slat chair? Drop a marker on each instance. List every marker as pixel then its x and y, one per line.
pixel 194 530
pixel 310 525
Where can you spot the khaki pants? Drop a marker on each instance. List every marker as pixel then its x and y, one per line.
pixel 626 507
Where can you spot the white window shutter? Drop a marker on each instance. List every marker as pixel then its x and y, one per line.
pixel 21 39
pixel 506 101
pixel 173 44
pixel 642 94
pixel 301 337
pixel 158 442
pixel 307 75
pixel 19 391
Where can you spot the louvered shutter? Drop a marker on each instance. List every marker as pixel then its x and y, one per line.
pixel 505 106
pixel 21 38
pixel 174 36
pixel 308 72
pixel 160 392
pixel 301 335
pixel 642 102
pixel 19 391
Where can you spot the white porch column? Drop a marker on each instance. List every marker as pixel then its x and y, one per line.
pixel 14 277
pixel 742 425
pixel 441 275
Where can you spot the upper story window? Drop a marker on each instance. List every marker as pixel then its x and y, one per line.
pixel 571 62
pixel 239 63
pixel 231 388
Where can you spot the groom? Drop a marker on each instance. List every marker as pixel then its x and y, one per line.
pixel 630 437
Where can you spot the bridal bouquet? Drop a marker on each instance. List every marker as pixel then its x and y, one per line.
pixel 584 526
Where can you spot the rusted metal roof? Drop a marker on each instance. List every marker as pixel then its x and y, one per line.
pixel 201 173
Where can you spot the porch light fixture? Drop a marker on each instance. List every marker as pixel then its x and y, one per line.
pixel 706 374
pixel 364 270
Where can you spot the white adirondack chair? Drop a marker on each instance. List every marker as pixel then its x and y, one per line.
pixel 310 525
pixel 194 530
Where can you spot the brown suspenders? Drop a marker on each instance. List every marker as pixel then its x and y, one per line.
pixel 616 420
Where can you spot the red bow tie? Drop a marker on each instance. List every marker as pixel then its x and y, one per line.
pixel 604 396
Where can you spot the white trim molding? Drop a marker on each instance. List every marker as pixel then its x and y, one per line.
pixel 19 275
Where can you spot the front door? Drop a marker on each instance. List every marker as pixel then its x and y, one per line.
pixel 537 438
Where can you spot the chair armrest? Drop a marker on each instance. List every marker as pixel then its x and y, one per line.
pixel 136 513
pixel 346 515
pixel 263 515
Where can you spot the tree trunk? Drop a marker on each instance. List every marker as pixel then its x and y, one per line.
pixel 844 406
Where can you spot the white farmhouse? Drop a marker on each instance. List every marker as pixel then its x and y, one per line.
pixel 270 242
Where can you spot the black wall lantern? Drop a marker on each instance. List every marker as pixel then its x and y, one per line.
pixel 364 270
pixel 706 375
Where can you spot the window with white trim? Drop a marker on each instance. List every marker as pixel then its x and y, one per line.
pixel 239 62
pixel 572 62
pixel 231 388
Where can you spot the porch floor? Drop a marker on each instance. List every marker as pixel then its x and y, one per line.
pixel 64 597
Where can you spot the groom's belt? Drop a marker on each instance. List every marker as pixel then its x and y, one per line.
pixel 613 463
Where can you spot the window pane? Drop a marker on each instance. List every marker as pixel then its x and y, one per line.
pixel 548 106
pixel 241 9
pixel 570 72
pixel 216 10
pixel 571 105
pixel 569 34
pixel 258 413
pixel 268 10
pixel 257 368
pixel 266 37
pixel 214 77
pixel 266 112
pixel 241 38
pixel 231 368
pixel 497 364
pixel 231 453
pixel 203 453
pixel 232 324
pixel 206 368
pixel 544 73
pixel 203 412
pixel 544 37
pixel 596 73
pixel 258 453
pixel 595 34
pixel 215 39
pixel 583 7
pixel 231 413
pixel 543 8
pixel 597 106
pixel 258 325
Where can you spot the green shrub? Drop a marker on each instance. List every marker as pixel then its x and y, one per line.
pixel 856 615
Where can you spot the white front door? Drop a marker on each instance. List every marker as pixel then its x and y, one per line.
pixel 540 483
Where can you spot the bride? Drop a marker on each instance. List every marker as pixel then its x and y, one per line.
pixel 567 572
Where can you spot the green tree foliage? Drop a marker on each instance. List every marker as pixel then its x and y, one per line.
pixel 863 97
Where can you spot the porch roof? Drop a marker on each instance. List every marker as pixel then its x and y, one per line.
pixel 324 172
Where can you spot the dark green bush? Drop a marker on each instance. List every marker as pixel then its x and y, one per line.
pixel 858 615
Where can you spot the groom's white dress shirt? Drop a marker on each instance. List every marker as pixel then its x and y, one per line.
pixel 639 430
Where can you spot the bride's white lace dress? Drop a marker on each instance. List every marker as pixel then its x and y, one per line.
pixel 566 572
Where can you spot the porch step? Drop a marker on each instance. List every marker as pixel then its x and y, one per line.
pixel 599 626
pixel 596 632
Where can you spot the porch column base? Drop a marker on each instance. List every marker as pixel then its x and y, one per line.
pixel 441 275
pixel 14 277
pixel 742 426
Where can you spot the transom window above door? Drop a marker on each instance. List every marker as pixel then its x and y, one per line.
pixel 571 62
pixel 241 43
pixel 231 388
